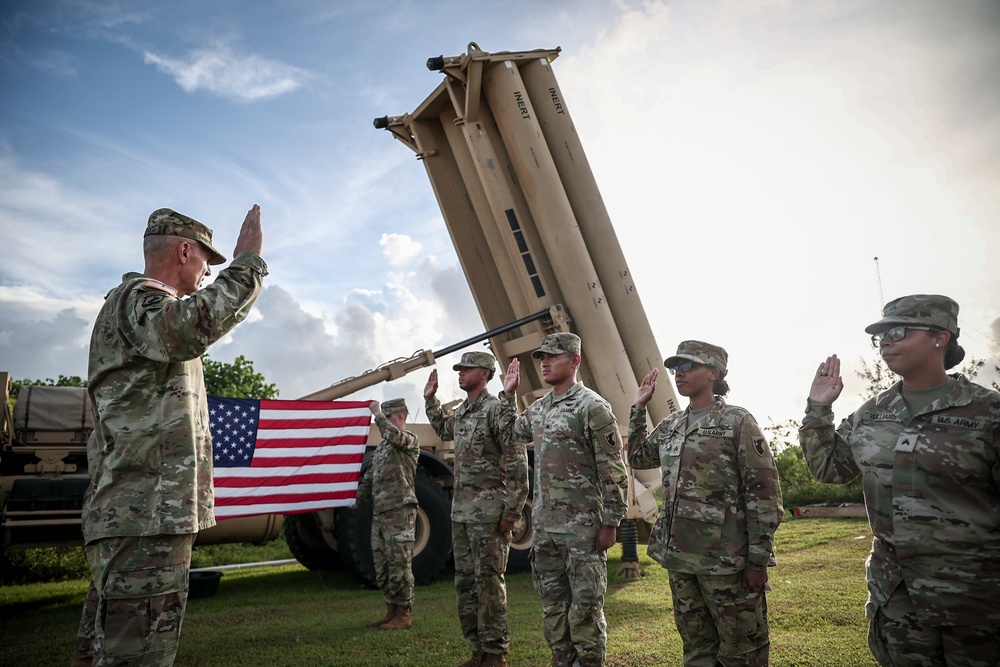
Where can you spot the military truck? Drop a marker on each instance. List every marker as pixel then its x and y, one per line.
pixel 538 249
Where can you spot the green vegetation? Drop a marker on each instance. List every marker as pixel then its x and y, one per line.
pixel 26 566
pixel 292 616
pixel 798 488
pixel 236 380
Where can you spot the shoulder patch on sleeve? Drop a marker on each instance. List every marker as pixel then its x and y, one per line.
pixel 157 285
pixel 605 428
pixel 759 445
pixel 600 416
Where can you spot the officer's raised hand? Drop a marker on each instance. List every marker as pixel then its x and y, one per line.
pixel 251 238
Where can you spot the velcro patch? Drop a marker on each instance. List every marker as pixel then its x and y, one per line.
pixel 721 432
pixel 880 417
pixel 157 285
pixel 961 422
pixel 759 444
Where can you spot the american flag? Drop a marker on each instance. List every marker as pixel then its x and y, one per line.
pixel 286 457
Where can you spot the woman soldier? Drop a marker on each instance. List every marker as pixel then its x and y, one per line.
pixel 929 451
pixel 721 506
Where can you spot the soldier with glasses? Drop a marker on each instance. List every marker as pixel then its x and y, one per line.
pixel 928 449
pixel 721 507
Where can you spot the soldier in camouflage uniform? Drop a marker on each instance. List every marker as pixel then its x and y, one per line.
pixel 580 498
pixel 929 452
pixel 389 481
pixel 150 454
pixel 721 507
pixel 491 486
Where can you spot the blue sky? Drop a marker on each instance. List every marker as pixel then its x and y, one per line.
pixel 754 156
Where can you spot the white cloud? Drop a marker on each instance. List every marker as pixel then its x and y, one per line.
pixel 399 248
pixel 221 71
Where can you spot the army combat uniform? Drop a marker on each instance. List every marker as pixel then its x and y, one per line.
pixel 150 454
pixel 491 483
pixel 389 481
pixel 580 486
pixel 721 507
pixel 930 466
pixel 932 490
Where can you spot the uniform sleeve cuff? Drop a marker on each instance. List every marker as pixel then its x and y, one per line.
pixel 253 260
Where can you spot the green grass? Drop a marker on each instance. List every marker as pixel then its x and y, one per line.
pixel 291 616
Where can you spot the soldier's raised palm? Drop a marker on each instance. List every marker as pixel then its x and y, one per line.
pixel 827 383
pixel 646 389
pixel 432 384
pixel 513 377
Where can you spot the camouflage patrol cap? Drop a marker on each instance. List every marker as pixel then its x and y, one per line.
pixel 476 360
pixel 926 309
pixel 171 223
pixel 394 405
pixel 699 353
pixel 558 343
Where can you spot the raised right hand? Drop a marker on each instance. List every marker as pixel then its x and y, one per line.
pixel 827 383
pixel 513 377
pixel 251 238
pixel 646 389
pixel 432 385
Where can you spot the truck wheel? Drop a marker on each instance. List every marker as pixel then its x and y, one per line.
pixel 431 547
pixel 519 556
pixel 306 544
pixel 352 526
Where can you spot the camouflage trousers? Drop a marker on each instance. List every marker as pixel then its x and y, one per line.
pixel 897 639
pixel 134 609
pixel 393 534
pixel 571 580
pixel 719 622
pixel 83 647
pixel 480 562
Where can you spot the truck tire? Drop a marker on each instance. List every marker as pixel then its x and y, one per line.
pixel 352 526
pixel 519 556
pixel 306 544
pixel 431 548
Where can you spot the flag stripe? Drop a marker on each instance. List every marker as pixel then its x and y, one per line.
pixel 284 457
pixel 314 491
pixel 276 498
pixel 348 407
pixel 234 511
pixel 346 477
pixel 269 422
pixel 299 461
pixel 322 450
pixel 307 436
pixel 223 474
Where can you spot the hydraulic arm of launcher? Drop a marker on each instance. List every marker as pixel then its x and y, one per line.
pixel 397 368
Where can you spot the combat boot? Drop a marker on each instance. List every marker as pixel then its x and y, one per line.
pixel 475 661
pixel 494 660
pixel 400 621
pixel 564 658
pixel 390 611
